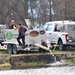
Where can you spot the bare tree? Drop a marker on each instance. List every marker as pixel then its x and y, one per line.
pixel 45 10
pixel 13 9
pixel 63 9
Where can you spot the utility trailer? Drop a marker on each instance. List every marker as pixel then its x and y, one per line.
pixel 32 36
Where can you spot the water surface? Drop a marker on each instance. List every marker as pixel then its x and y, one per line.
pixel 68 70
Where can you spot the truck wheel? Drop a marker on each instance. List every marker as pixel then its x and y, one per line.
pixel 14 49
pixel 61 46
pixel 9 48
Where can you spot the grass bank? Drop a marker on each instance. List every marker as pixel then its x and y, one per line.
pixel 32 59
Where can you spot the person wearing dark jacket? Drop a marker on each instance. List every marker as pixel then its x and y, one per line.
pixel 22 30
pixel 43 43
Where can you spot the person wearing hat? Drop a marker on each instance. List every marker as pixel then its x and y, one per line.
pixel 22 29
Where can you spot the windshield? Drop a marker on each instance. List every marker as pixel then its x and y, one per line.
pixel 45 26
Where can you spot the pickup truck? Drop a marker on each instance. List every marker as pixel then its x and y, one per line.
pixel 2 33
pixel 55 36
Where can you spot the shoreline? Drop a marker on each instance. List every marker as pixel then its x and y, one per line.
pixel 8 61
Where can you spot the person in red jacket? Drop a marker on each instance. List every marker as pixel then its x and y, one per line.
pixel 22 29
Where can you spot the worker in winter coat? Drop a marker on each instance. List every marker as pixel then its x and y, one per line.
pixel 43 43
pixel 13 25
pixel 22 29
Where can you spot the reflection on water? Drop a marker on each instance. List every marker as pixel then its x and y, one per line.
pixel 68 70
